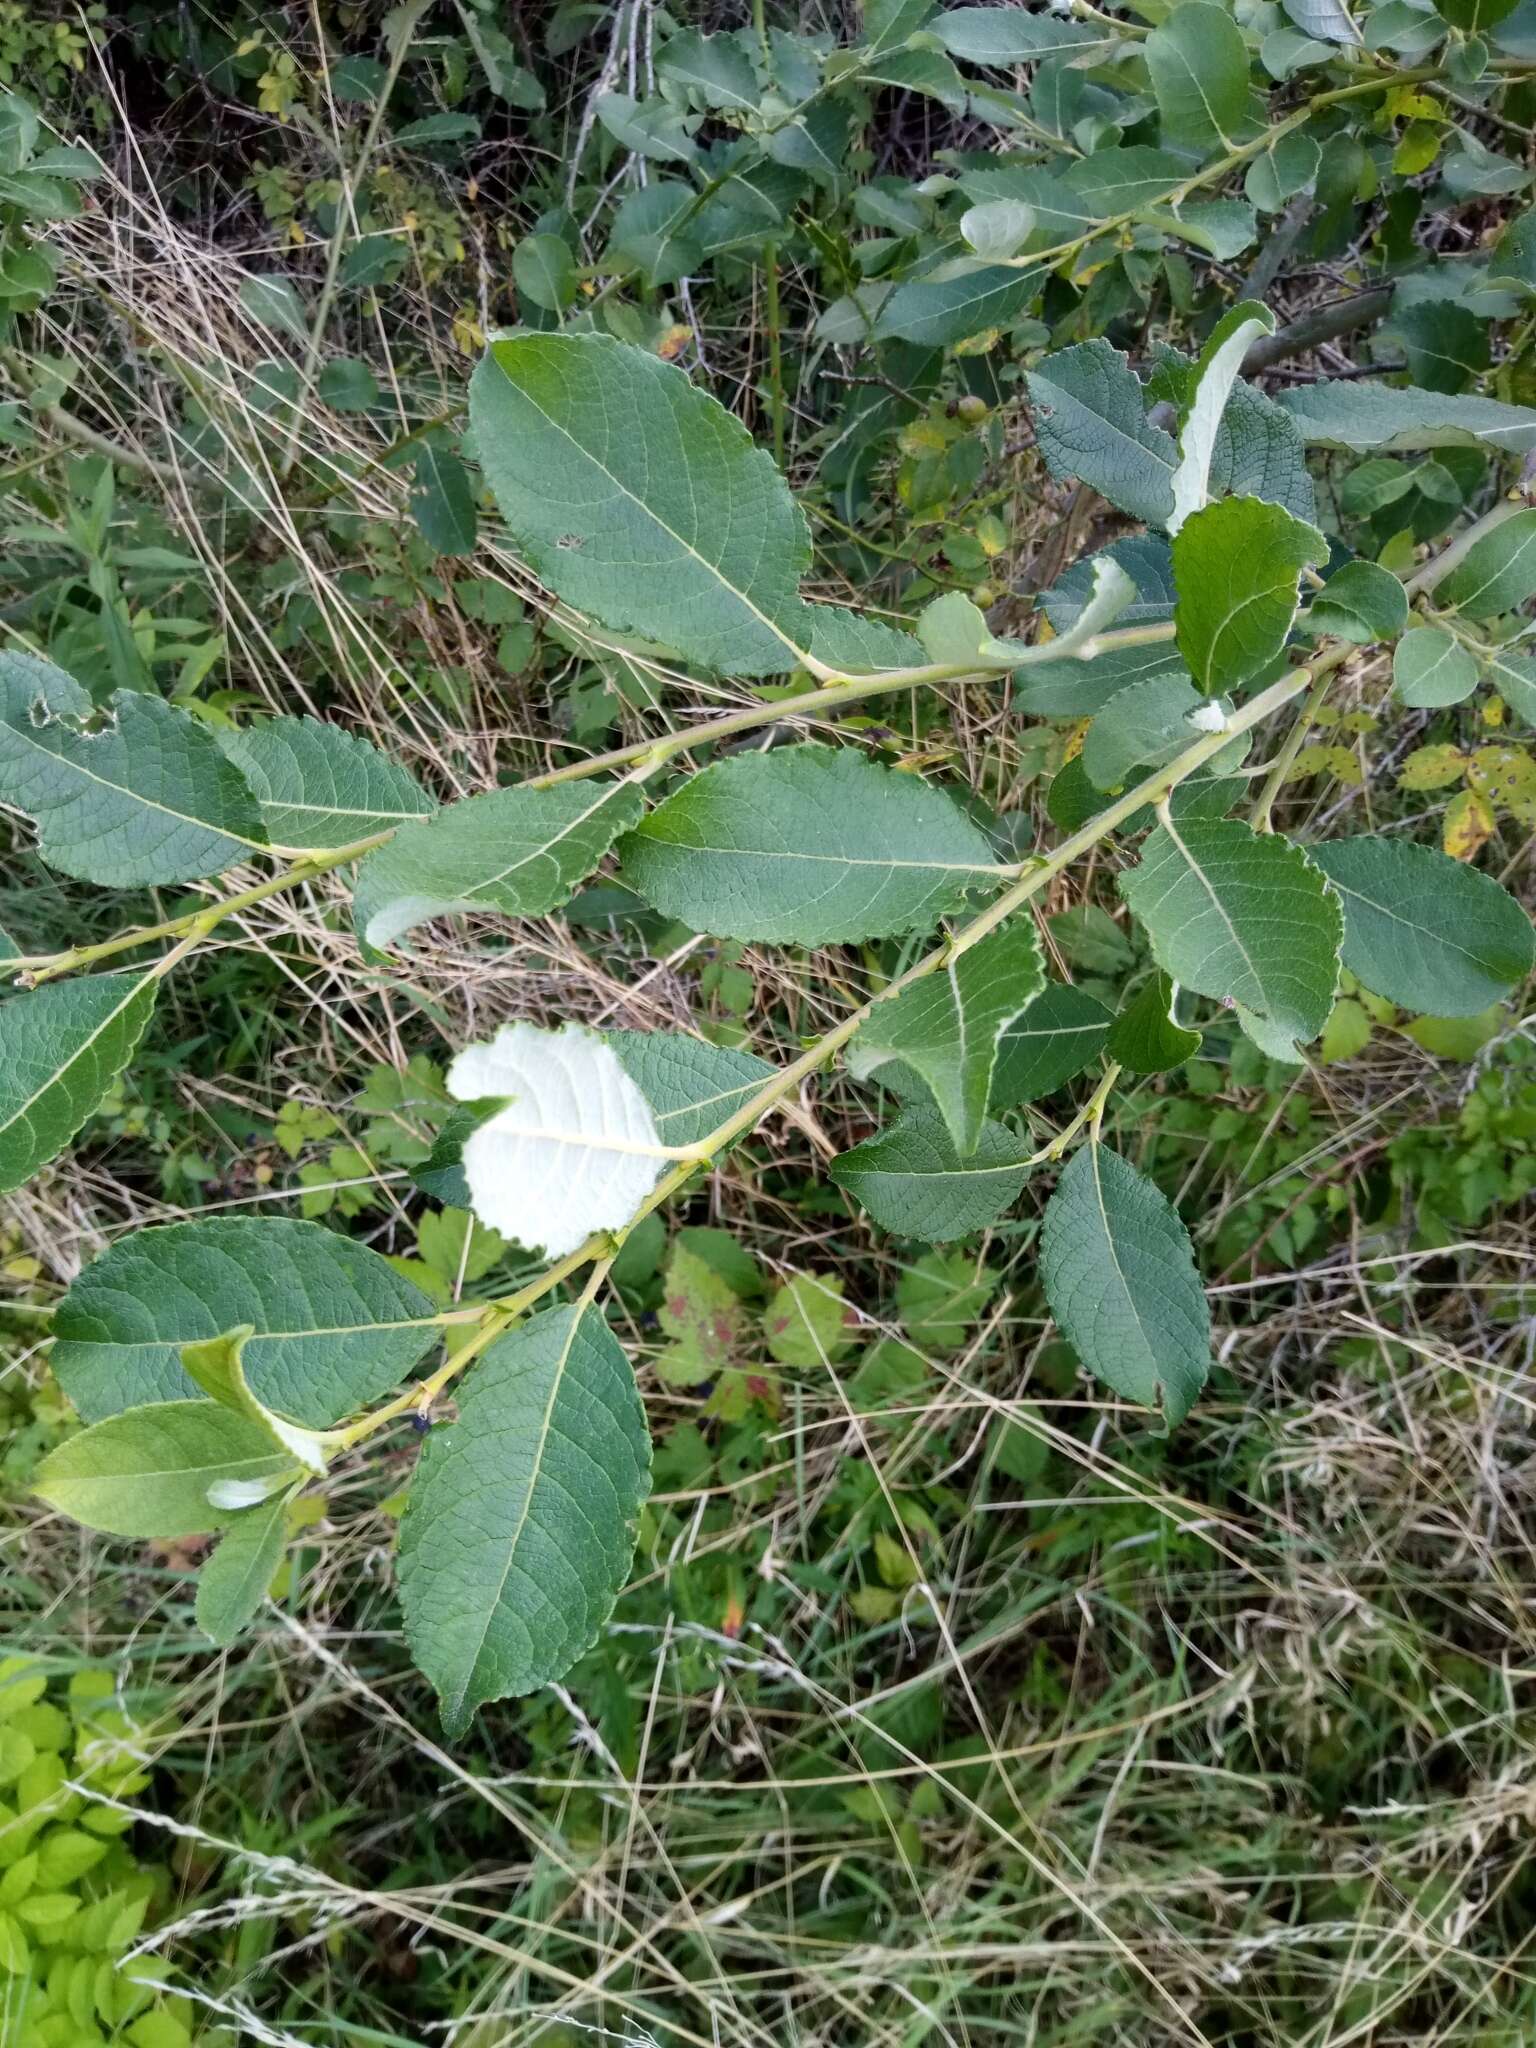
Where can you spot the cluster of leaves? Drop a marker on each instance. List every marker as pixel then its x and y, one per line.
pixel 234 1360
pixel 73 1899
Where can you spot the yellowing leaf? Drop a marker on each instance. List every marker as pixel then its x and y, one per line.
pixel 1506 777
pixel 1431 768
pixel 1468 825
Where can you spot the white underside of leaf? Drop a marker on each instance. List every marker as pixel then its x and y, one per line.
pixel 575 1150
pixel 1197 441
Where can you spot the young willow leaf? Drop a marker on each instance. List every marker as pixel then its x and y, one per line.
pixel 1091 422
pixel 1430 669
pixel 519 852
pixel 234 1581
pixel 159 1471
pixel 641 500
pixel 1361 602
pixel 573 1147
pixel 1244 917
pixel 1498 574
pixel 1211 382
pixel 217 1367
pixel 912 1180
pixel 806 846
pixel 321 787
pixel 137 794
pixel 1237 564
pixel 1119 1274
pixel 1425 931
pixel 1062 1032
pixel 61 1048
pixel 947 1027
pixel 1146 1038
pixel 520 1523
pixel 335 1326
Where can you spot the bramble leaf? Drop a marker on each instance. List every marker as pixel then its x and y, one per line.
pixel 520 1523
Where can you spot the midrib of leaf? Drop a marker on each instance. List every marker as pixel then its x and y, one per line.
pixel 516 1536
pixel 75 767
pixel 1503 569
pixel 656 520
pixel 841 860
pixel 1218 906
pixel 79 1053
pixel 267 1336
pixel 545 847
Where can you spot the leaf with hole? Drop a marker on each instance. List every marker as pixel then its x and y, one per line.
pixel 137 794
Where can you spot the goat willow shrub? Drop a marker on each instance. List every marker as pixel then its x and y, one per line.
pixel 221 1365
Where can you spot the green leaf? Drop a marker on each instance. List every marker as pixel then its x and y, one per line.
pixel 1426 931
pixel 520 1524
pixel 1145 1038
pixel 1514 254
pixel 150 1471
pixel 1005 36
pixel 1119 1274
pixel 912 1181
pixel 1243 917
pixel 544 271
pixel 515 852
pixel 335 1325
pixel 809 846
pixel 1361 602
pixel 946 1028
pixel 962 297
pixel 692 1087
pixel 443 502
pixel 1199 66
pixel 997 228
pixel 1430 668
pixel 1143 726
pixel 138 794
pixel 1473 17
pixel 273 303
pixel 1498 574
pixel 941 1296
pixel 806 1322
pixel 571 1146
pixel 1327 21
pixel 1368 417
pixel 1288 166
pixel 1446 345
pixel 216 1366
pixel 716 70
pixel 1062 1032
pixel 641 500
pixel 1091 422
pixel 319 786
pixel 1237 564
pixel 61 1048
pixel 705 1318
pixel 347 385
pixel 1260 454
pixel 1211 385
pixel 234 1580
